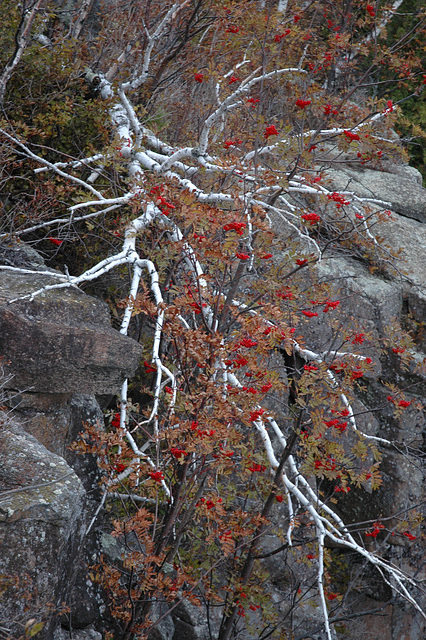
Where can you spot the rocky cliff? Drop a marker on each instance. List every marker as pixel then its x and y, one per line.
pixel 59 355
pixel 61 359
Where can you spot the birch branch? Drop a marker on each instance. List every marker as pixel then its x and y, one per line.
pixel 21 42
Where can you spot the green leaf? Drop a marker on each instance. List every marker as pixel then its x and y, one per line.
pixel 32 630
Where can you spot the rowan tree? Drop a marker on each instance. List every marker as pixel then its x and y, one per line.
pixel 187 142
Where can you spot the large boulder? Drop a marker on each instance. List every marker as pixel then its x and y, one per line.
pixel 400 188
pixel 62 340
pixel 42 513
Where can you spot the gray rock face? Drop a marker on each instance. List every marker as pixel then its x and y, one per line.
pixel 190 623
pixel 56 419
pixel 86 634
pixel 60 350
pixel 376 300
pixel 408 238
pixel 62 341
pixel 403 192
pixel 41 525
pixel 63 350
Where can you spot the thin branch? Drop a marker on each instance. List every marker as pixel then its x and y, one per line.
pixel 22 38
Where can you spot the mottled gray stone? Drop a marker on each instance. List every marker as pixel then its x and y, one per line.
pixel 41 526
pixel 190 622
pixel 77 634
pixel 403 192
pixel 406 238
pixel 62 341
pixel 165 629
pixel 396 292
